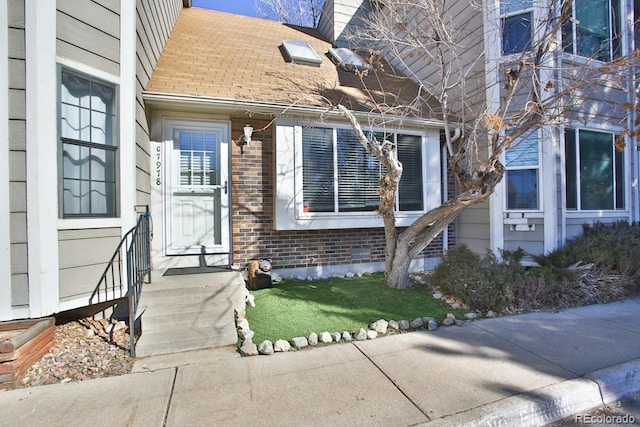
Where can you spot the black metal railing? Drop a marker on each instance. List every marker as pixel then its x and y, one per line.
pixel 116 283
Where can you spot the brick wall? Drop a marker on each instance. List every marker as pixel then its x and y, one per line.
pixel 253 234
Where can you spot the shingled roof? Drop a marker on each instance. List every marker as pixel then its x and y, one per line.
pixel 213 54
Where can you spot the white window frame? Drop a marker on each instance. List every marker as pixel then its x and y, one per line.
pixel 505 14
pixel 289 198
pixel 537 167
pixel 90 219
pixel 578 211
pixel 574 25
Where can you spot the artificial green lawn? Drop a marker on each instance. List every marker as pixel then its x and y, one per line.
pixel 294 308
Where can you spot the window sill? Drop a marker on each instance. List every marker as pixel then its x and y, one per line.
pixel 82 223
pixel 353 220
pixel 597 214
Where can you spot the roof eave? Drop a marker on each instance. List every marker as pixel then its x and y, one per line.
pixel 228 105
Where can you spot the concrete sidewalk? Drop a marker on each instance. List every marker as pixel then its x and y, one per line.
pixel 529 369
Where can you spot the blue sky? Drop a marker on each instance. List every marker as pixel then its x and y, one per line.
pixel 241 7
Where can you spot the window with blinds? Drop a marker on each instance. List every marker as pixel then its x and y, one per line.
pixel 340 176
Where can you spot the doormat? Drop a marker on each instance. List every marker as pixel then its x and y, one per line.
pixel 197 270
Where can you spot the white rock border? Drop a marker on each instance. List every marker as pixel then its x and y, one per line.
pixel 379 328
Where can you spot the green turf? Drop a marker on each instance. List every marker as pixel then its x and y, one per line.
pixel 295 308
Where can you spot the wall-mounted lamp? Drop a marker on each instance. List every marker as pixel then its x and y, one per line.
pixel 245 139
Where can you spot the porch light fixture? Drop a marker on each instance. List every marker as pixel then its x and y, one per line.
pixel 245 138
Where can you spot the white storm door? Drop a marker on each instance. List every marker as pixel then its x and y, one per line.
pixel 198 190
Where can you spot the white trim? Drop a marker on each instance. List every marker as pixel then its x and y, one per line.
pixel 127 116
pixel 89 70
pixel 81 223
pixel 5 213
pixel 549 184
pixel 42 150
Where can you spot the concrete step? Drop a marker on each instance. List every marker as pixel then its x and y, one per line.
pixel 189 312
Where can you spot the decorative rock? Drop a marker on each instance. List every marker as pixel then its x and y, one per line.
pixel 459 322
pixel 299 342
pixel 309 278
pixel 393 325
pixel 240 314
pixel 265 347
pixel 249 349
pixel 432 325
pixel 361 335
pixel 336 336
pixel 250 300
pixel 416 323
pixel 325 337
pixel 346 336
pixel 449 301
pixel 349 274
pixel 456 305
pixel 246 334
pixel 242 324
pixel 403 325
pixel 449 320
pixel 380 326
pixel 470 316
pixel 491 314
pixel 371 335
pixel 313 338
pixel 281 346
pixel 359 274
pixel 437 295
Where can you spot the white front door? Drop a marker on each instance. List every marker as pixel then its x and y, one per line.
pixel 197 193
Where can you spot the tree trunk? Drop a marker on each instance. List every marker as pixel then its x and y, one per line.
pixel 398 275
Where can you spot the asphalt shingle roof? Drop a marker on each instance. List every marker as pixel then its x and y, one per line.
pixel 222 55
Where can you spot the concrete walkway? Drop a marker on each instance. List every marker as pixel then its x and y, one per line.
pixel 527 370
pixel 189 312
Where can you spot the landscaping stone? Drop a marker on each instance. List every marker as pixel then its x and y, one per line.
pixel 242 323
pixel 246 334
pixel 361 334
pixel 437 295
pixel 299 342
pixel 325 337
pixel 491 314
pixel 470 316
pixel 349 274
pixel 394 325
pixel 449 320
pixel 459 322
pixel 403 325
pixel 265 347
pixel 250 300
pixel 416 323
pixel 313 338
pixel 249 349
pixel 281 346
pixel 240 314
pixel 432 325
pixel 371 335
pixel 380 326
pixel 336 336
pixel 456 305
pixel 346 336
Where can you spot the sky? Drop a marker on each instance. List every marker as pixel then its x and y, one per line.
pixel 241 7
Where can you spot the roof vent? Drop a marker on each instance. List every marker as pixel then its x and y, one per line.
pixel 300 52
pixel 347 59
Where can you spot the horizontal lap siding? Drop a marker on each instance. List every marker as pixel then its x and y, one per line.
pixel 89 33
pixel 83 257
pixel 253 213
pixel 17 154
pixel 154 22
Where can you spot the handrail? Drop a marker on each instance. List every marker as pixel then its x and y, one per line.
pixel 111 285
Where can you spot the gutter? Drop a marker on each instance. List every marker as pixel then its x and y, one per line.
pixel 269 108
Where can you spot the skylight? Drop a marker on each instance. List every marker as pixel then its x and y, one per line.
pixel 347 59
pixel 299 52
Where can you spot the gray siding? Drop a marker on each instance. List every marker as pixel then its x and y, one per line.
pixel 472 228
pixel 530 241
pixel 89 32
pixel 17 154
pixel 83 258
pixel 155 20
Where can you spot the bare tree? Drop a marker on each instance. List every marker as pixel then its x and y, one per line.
pixel 305 13
pixel 537 88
